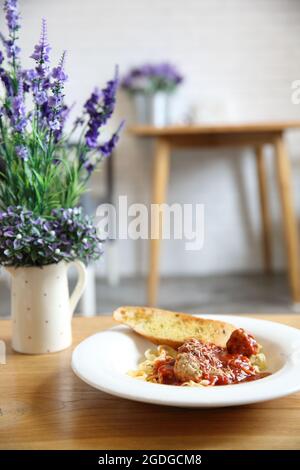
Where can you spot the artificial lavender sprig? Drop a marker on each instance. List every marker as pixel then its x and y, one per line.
pixel 39 76
pixel 41 51
pixel 57 111
pixel 7 82
pixel 108 147
pixel 53 111
pixel 12 17
pixel 103 150
pixel 99 108
pixel 18 111
pixel 22 152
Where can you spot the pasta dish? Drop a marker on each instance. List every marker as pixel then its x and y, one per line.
pixel 196 363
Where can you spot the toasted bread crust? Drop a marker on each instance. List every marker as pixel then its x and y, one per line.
pixel 173 328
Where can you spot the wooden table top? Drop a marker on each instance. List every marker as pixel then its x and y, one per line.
pixel 43 405
pixel 175 130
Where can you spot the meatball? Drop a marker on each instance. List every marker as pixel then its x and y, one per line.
pixel 196 360
pixel 241 342
pixel 187 367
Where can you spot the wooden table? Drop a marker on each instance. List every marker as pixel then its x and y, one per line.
pixel 232 135
pixel 43 405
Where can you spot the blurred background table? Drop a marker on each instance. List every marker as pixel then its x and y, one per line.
pixel 43 405
pixel 255 135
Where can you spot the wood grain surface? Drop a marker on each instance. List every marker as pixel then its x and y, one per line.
pixel 263 126
pixel 43 405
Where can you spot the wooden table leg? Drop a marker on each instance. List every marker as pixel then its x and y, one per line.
pixel 160 180
pixel 289 216
pixel 264 207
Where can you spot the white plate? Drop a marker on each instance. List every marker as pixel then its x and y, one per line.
pixel 103 360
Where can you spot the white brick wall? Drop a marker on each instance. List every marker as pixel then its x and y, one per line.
pixel 244 53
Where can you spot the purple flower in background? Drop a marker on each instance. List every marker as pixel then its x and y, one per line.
pixel 167 72
pixel 150 78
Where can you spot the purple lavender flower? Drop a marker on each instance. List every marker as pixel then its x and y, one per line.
pixel 41 51
pixel 64 113
pixel 99 108
pixel 22 152
pixel 7 82
pixel 91 107
pixel 51 110
pixel 28 77
pixel 58 72
pixel 18 113
pixel 12 15
pixel 89 167
pixel 13 23
pixel 104 150
pixel 11 47
pixel 38 79
pixel 55 111
pixel 107 148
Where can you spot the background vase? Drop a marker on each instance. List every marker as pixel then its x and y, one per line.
pixel 152 109
pixel 160 109
pixel 42 308
pixel 141 106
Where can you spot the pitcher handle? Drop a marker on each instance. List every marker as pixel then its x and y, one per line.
pixel 80 286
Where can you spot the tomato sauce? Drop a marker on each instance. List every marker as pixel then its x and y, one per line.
pixel 199 361
pixel 164 369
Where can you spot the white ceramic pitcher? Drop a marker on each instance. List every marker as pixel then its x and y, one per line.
pixel 42 308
